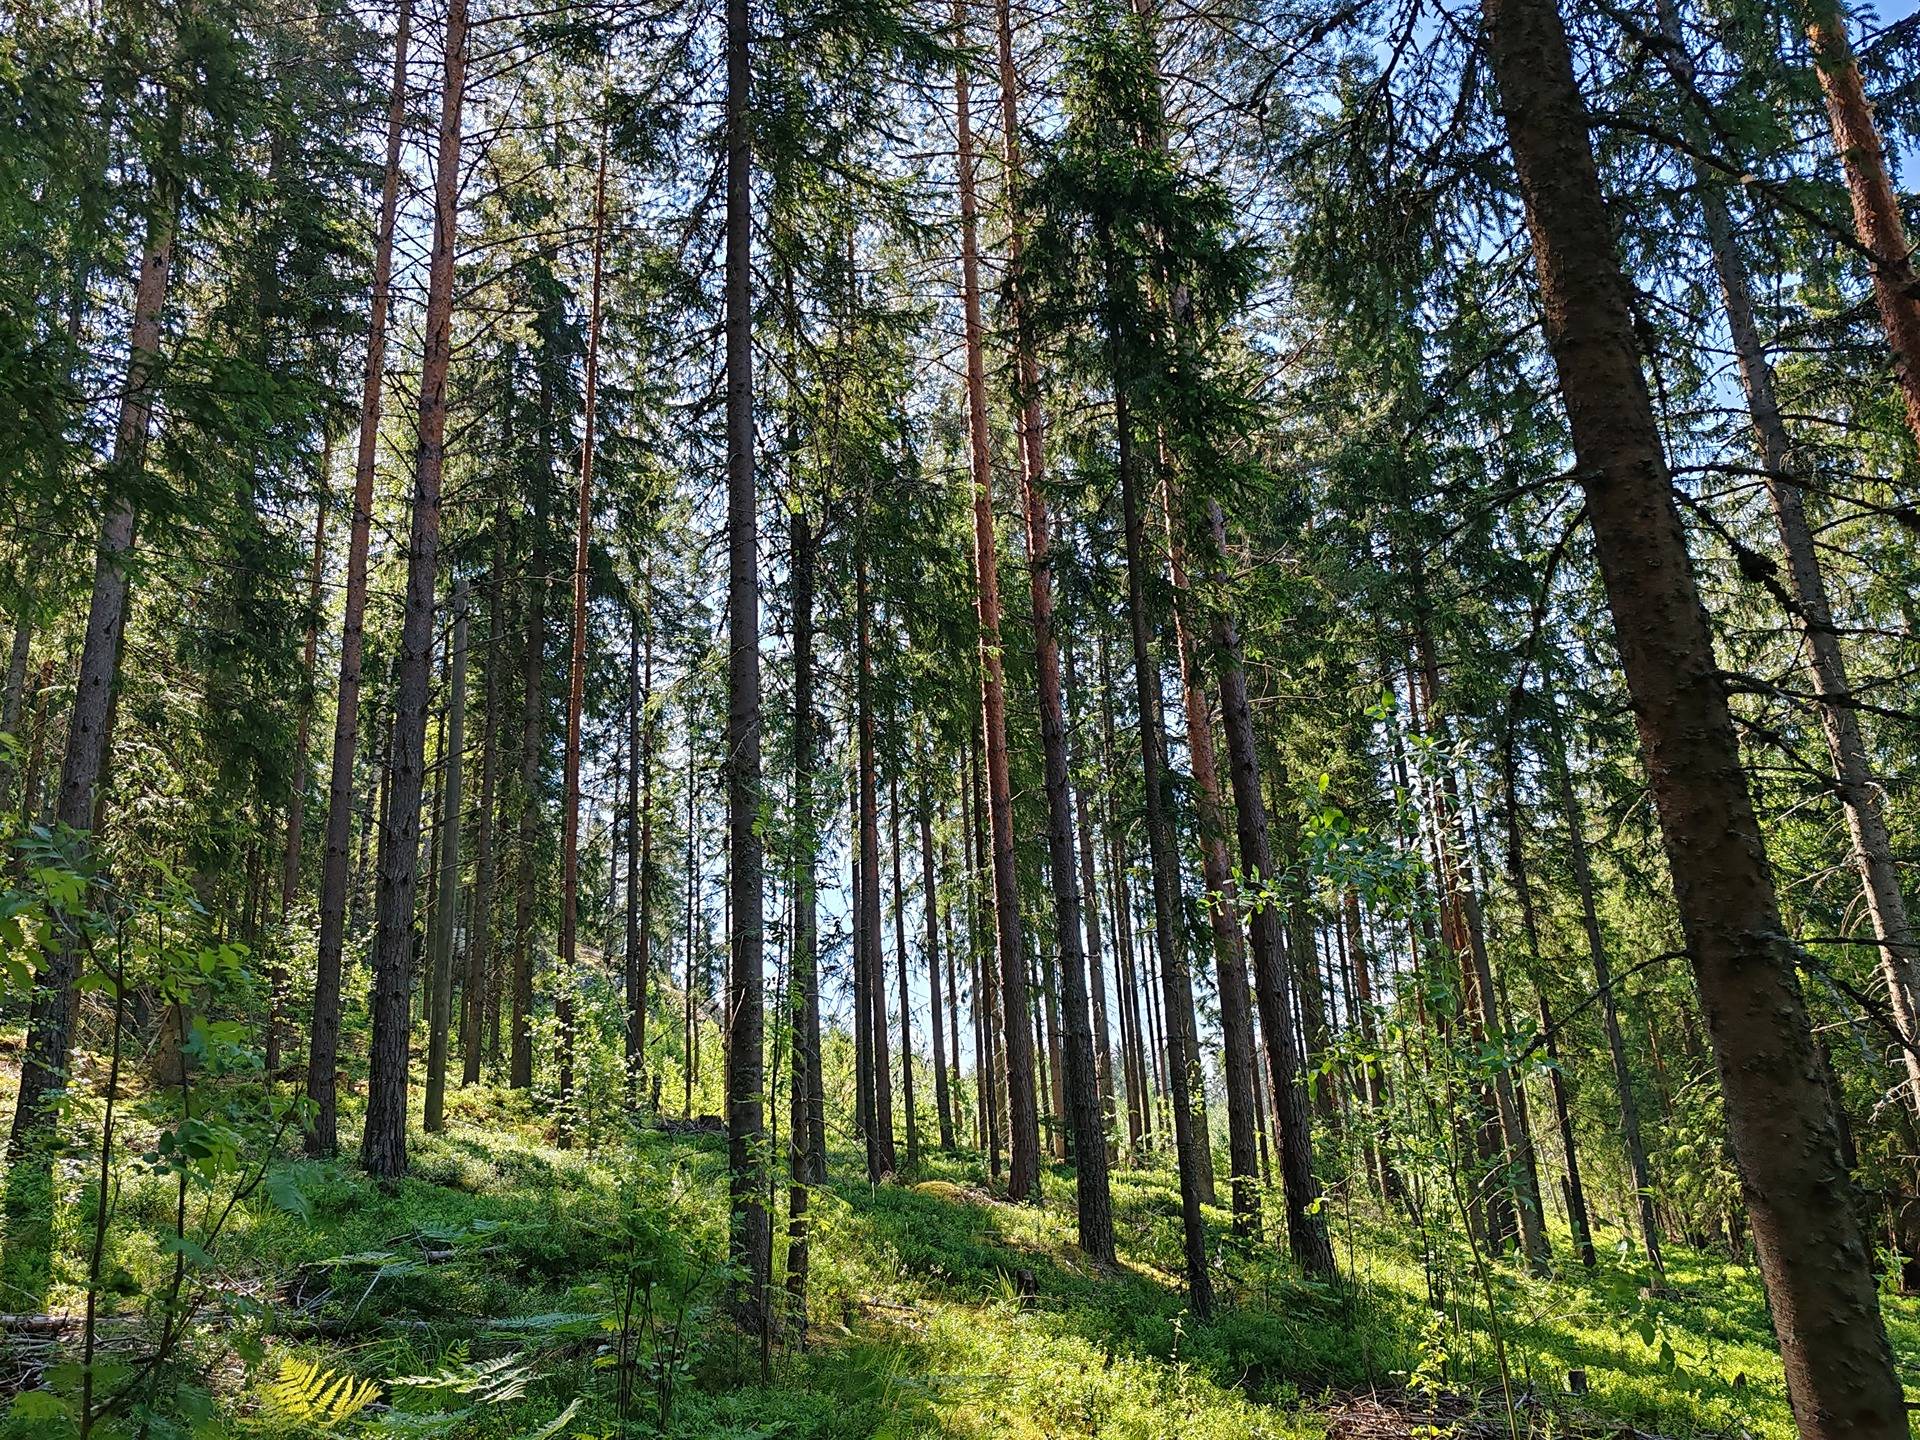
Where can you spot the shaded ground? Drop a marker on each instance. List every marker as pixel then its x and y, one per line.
pixel 488 1293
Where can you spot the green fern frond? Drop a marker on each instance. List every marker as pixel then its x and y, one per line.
pixel 308 1396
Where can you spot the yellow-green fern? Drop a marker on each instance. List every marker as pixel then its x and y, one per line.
pixel 308 1396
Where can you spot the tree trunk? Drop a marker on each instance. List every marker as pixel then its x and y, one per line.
pixel 900 961
pixel 1223 917
pixel 1090 908
pixel 297 789
pixel 1876 205
pixel 1637 1166
pixel 881 1158
pixel 89 726
pixel 323 1047
pixel 641 874
pixel 480 933
pixel 565 980
pixel 930 912
pixel 1826 663
pixel 383 1144
pixel 749 1235
pixel 1023 1120
pixel 451 760
pixel 1182 1064
pixel 804 1163
pixel 1306 1227
pixel 1806 1229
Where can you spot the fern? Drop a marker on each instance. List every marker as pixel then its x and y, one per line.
pixel 308 1396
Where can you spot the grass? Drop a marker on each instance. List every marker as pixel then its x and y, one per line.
pixel 482 1297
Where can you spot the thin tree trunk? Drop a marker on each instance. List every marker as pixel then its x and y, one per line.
pixel 383 1144
pixel 1306 1227
pixel 323 1048
pixel 881 1158
pixel 451 760
pixel 1090 909
pixel 1182 1065
pixel 1230 961
pixel 900 959
pixel 641 870
pixel 297 789
pixel 1642 1174
pixel 480 932
pixel 1806 1227
pixel 930 912
pixel 803 985
pixel 1023 1120
pixel 749 1234
pixel 563 989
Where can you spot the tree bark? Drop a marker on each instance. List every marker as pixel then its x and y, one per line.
pixel 749 1234
pixel 50 1020
pixel 1806 1228
pixel 900 962
pixel 1853 775
pixel 930 912
pixel 805 1163
pixel 323 1046
pixel 564 981
pixel 1306 1227
pixel 1223 917
pixel 383 1144
pixel 882 1160
pixel 1876 206
pixel 1023 1120
pixel 297 789
pixel 475 994
pixel 448 860
pixel 1182 1064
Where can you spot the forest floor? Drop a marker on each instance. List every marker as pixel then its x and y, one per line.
pixel 496 1290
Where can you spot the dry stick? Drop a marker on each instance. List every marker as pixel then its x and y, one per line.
pixel 563 1001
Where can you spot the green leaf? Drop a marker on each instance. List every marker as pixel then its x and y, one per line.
pixel 284 1191
pixel 554 1426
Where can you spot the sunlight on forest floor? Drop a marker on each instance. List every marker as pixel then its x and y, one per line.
pixel 484 1296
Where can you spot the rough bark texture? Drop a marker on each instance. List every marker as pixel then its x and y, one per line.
pixel 1023 1120
pixel 323 1046
pixel 1806 1227
pixel 383 1144
pixel 1859 792
pixel 1876 206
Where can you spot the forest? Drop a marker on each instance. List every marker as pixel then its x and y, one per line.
pixel 867 718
